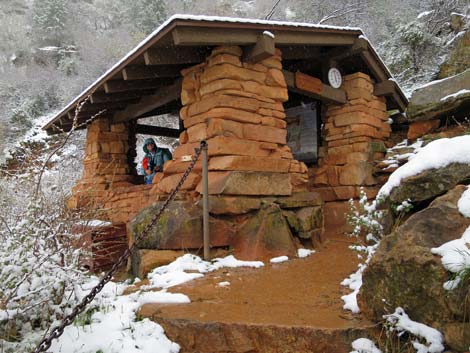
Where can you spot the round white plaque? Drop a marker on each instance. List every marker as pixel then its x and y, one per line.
pixel 334 77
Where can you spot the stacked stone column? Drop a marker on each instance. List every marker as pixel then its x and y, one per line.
pixel 354 133
pixel 237 107
pixel 105 164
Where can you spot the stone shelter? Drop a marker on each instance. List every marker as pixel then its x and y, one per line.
pixel 294 115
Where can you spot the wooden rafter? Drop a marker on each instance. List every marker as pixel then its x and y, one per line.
pixel 123 86
pixel 102 97
pixel 174 56
pixel 157 131
pixel 162 96
pixel 187 36
pixel 141 72
pixel 313 87
pixel 263 49
pixel 389 88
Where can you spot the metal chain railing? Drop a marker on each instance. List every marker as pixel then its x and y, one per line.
pixel 57 331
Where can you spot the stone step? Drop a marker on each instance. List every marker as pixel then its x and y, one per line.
pixel 219 337
pixel 293 306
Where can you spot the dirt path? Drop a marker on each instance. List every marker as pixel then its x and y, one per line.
pixel 301 294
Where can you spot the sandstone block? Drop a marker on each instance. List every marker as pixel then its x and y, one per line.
pixel 197 132
pixel 119 128
pixel 255 67
pixel 421 128
pixel 224 113
pixel 358 93
pixel 218 85
pixel 233 205
pixel 356 174
pixel 263 236
pixel 300 199
pixel 299 182
pixel 248 183
pixel 264 133
pixel 362 83
pixel 272 62
pixel 357 75
pixel 215 101
pixel 355 157
pixel 224 59
pixel 279 94
pixel 344 192
pixel 227 71
pixel 188 96
pixel 275 77
pixel 178 166
pixel 180 227
pixel 326 193
pixel 227 49
pixel 275 122
pixel 249 163
pixel 222 127
pixel 144 261
pixel 184 138
pixel 357 118
pixel 168 183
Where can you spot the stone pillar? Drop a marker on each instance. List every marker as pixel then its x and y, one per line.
pixel 354 133
pixel 237 107
pixel 105 164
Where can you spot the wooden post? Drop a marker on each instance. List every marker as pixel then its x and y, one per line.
pixel 205 201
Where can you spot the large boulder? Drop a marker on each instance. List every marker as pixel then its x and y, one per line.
pixel 179 227
pixel 404 272
pixel 458 59
pixel 264 235
pixel 450 96
pixel 430 183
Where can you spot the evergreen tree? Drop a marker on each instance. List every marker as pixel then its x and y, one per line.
pixel 145 15
pixel 49 21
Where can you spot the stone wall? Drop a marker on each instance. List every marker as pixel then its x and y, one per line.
pixel 353 138
pixel 237 108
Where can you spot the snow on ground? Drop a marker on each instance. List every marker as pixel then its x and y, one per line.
pixel 401 322
pixel 114 328
pixel 455 256
pixel 110 324
pixel 364 345
pixel 437 154
pixel 464 203
pixel 304 252
pixel 354 281
pixel 279 259
pixel 175 273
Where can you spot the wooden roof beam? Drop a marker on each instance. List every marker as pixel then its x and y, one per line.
pixel 157 131
pixel 162 96
pixel 123 86
pixel 390 88
pixel 102 97
pixel 141 72
pixel 263 49
pixel 174 56
pixel 313 87
pixel 188 36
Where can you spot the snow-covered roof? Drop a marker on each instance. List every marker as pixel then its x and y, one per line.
pixel 164 31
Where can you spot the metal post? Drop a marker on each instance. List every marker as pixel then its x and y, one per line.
pixel 205 201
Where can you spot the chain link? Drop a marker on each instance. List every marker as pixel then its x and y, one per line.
pixel 57 331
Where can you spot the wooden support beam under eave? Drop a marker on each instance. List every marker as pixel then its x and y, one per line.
pixel 157 131
pixel 174 56
pixel 141 72
pixel 207 36
pixel 162 96
pixel 263 49
pixel 390 88
pixel 123 86
pixel 313 87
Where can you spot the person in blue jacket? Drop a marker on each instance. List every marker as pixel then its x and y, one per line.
pixel 155 158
